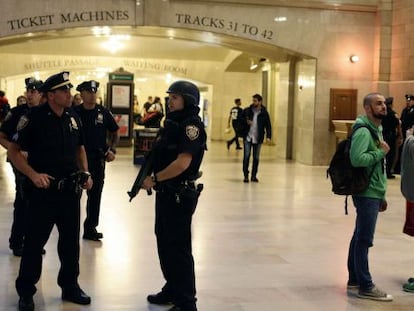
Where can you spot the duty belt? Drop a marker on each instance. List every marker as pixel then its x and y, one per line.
pixel 72 183
pixel 186 188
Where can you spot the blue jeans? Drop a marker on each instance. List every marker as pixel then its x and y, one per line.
pixel 367 212
pixel 246 157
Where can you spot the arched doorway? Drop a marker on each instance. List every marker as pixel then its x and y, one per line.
pixel 233 67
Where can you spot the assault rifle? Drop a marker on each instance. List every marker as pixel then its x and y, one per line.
pixel 144 171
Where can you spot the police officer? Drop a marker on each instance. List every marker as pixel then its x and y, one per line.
pixel 390 130
pixel 97 121
pixel 52 136
pixel 178 153
pixel 407 115
pixel 7 131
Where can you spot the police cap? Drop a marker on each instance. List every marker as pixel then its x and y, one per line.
pixel 389 100
pixel 91 86
pixel 59 81
pixel 409 96
pixel 33 83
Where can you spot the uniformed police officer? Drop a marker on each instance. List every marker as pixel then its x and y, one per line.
pixel 97 122
pixel 178 153
pixel 52 136
pixel 407 115
pixel 7 131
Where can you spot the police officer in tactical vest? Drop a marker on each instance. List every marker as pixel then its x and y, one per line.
pixel 57 169
pixel 97 122
pixel 178 154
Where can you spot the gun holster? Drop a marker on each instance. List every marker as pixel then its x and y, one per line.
pixel 187 190
pixel 73 183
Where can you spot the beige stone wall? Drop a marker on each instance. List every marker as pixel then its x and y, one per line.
pixel 402 52
pixel 318 39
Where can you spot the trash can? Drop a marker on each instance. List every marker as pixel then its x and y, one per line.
pixel 143 140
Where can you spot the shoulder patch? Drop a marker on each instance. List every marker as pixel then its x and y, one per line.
pixel 74 123
pixel 8 116
pixel 23 121
pixel 192 132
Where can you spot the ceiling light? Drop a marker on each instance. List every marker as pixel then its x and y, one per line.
pixel 354 58
pixel 115 43
pixel 280 19
pixel 168 78
pixel 101 31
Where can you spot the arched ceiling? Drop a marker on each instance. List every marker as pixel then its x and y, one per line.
pixel 148 42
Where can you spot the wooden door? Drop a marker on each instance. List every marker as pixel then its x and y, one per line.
pixel 343 105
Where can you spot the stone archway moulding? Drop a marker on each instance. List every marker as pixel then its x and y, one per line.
pixel 275 26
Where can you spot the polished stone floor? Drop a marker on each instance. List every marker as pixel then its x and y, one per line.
pixel 280 244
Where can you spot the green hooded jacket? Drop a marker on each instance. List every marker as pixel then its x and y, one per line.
pixel 366 152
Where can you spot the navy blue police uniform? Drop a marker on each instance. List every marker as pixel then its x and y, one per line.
pixel 9 128
pixel 52 143
pixel 96 123
pixel 176 201
pixel 407 115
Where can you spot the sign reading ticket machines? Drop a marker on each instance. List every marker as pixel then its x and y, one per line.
pixel 120 102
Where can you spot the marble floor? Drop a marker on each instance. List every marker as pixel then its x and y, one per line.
pixel 280 244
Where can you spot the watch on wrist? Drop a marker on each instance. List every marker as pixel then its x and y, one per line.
pixel 154 179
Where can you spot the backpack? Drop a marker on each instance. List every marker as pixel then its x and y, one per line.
pixel 345 178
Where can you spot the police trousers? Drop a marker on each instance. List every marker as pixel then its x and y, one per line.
pixel 19 213
pixel 173 232
pixel 46 208
pixel 93 204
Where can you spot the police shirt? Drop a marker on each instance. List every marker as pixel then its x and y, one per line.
pixel 408 119
pixel 390 124
pixel 96 122
pixel 9 124
pixel 51 141
pixel 186 136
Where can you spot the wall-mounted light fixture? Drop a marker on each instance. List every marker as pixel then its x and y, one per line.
pixel 253 64
pixel 354 58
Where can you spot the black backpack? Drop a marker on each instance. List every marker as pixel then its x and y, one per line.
pixel 345 178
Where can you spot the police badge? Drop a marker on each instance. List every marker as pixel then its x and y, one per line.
pixel 99 118
pixel 192 132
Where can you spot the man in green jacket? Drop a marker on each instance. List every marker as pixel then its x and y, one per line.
pixel 369 152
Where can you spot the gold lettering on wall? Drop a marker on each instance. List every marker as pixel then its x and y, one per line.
pixel 229 26
pixel 96 62
pixel 67 18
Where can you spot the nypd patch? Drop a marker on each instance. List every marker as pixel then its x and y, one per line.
pixel 192 132
pixel 8 116
pixel 23 121
pixel 74 123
